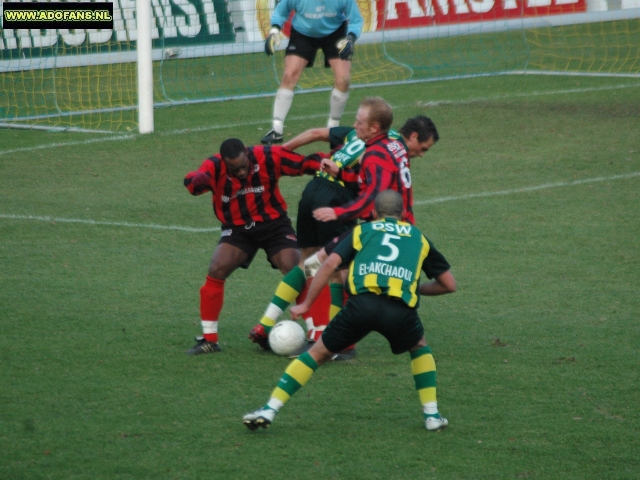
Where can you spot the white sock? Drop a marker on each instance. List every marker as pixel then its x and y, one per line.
pixel 274 404
pixel 209 326
pixel 337 103
pixel 311 266
pixel 273 312
pixel 430 408
pixel 284 99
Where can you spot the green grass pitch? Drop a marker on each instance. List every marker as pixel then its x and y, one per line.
pixel 532 193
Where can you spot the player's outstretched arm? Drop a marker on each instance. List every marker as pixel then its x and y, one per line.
pixel 199 181
pixel 305 138
pixel 294 164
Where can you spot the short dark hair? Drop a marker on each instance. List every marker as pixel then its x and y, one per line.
pixel 231 148
pixel 388 203
pixel 423 126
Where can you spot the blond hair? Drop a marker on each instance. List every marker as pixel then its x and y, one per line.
pixel 379 112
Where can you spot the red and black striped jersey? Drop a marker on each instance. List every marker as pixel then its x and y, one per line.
pixel 256 198
pixel 385 166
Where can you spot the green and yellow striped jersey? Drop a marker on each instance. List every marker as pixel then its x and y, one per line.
pixel 387 257
pixel 348 156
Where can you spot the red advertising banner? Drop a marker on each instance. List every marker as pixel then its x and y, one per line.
pixel 421 13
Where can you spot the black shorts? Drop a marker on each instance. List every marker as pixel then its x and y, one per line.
pixel 307 47
pixel 319 193
pixel 368 312
pixel 272 237
pixel 331 245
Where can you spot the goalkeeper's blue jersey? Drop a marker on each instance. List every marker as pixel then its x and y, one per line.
pixel 319 19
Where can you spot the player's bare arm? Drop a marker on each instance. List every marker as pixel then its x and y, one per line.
pixel 441 285
pixel 307 137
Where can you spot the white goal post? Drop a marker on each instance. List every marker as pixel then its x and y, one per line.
pixel 145 67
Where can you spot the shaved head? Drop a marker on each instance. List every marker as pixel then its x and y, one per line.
pixel 389 204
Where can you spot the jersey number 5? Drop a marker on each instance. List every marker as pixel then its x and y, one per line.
pixel 395 251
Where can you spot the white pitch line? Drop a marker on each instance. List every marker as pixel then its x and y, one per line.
pixel 434 103
pixel 437 103
pixel 420 202
pixel 527 189
pixel 109 224
pixel 69 144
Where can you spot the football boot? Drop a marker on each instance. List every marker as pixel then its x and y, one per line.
pixel 260 336
pixel 272 137
pixel 436 423
pixel 260 418
pixel 202 346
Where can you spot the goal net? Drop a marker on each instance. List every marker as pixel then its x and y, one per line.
pixel 209 50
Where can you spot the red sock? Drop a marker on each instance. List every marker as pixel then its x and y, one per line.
pixel 319 312
pixel 211 300
pixel 303 293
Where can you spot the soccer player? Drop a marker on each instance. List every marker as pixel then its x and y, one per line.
pixel 333 26
pixel 322 190
pixel 385 165
pixel 385 293
pixel 417 135
pixel 247 201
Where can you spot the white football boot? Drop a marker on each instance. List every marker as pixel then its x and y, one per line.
pixel 436 423
pixel 260 418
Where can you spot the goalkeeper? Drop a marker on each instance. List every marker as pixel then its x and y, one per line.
pixel 333 26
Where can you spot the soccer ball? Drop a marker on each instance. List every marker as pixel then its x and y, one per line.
pixel 286 337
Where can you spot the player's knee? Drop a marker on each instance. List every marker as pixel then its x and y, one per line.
pixel 420 344
pixel 289 79
pixel 221 270
pixel 319 352
pixel 286 259
pixel 218 272
pixel 343 82
pixel 342 79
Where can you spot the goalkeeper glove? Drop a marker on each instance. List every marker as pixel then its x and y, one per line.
pixel 345 46
pixel 273 41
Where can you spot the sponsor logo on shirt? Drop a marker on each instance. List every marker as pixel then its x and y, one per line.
pixel 243 191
